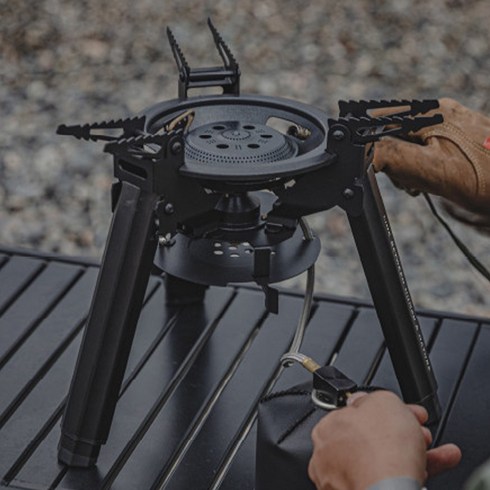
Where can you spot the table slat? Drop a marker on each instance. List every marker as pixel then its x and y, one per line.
pixel 15 275
pixel 468 423
pixel 35 303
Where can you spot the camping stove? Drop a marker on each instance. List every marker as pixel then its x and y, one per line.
pixel 208 191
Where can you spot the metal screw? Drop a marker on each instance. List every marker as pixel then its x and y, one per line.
pixel 169 208
pixel 338 135
pixel 176 148
pixel 348 193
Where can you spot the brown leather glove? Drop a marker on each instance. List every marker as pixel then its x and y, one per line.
pixel 449 160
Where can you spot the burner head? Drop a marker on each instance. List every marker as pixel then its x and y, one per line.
pixel 231 143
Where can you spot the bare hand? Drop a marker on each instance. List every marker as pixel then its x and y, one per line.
pixel 376 437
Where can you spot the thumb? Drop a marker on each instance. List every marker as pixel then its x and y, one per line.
pixel 442 458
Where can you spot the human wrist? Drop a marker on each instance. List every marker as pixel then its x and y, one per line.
pixel 390 465
pixel 397 483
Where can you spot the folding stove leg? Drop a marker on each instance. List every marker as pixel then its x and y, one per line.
pixel 110 328
pixel 382 266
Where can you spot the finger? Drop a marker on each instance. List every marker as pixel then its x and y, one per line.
pixel 381 396
pixel 359 397
pixel 355 396
pixel 313 471
pixel 442 458
pixel 427 436
pixel 420 413
pixel 412 165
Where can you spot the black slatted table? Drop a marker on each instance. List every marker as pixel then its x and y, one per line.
pixel 186 417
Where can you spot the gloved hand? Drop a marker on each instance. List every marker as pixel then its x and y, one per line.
pixel 451 159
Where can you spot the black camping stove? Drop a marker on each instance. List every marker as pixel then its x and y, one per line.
pixel 208 192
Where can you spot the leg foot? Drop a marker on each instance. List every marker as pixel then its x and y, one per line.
pixel 77 453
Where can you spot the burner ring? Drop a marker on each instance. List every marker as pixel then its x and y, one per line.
pixel 231 143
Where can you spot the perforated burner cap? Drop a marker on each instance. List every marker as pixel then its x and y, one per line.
pixel 232 143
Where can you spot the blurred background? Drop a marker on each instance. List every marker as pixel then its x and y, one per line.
pixel 85 61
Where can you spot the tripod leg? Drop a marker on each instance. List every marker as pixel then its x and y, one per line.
pixel 114 312
pixel 382 266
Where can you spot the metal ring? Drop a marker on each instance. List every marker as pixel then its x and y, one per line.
pixel 322 404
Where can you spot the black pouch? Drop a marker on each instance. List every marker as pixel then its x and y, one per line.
pixel 284 446
pixel 285 422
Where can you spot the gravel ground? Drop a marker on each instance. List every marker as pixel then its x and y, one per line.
pixel 84 61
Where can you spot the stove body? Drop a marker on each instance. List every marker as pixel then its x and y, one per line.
pixel 210 193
